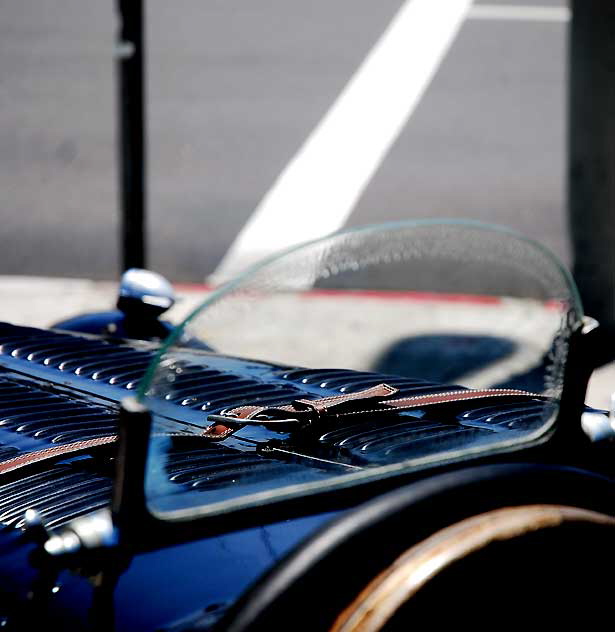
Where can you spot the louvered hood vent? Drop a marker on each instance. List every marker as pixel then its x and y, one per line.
pixel 60 494
pixel 367 443
pixel 33 419
pixel 209 383
pixel 119 365
pixel 109 369
pixel 26 410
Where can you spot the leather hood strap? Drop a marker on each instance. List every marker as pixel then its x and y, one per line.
pixel 54 452
pixel 378 398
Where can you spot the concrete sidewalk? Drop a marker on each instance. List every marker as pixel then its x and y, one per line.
pixel 40 302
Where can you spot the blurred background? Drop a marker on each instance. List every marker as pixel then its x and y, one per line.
pixel 234 90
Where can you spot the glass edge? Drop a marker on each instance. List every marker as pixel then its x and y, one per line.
pixel 385 472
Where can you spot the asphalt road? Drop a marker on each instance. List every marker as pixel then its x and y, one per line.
pixel 233 94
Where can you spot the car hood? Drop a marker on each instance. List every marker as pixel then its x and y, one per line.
pixel 63 389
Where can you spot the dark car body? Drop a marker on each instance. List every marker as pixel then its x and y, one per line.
pixel 59 388
pixel 149 485
pixel 62 388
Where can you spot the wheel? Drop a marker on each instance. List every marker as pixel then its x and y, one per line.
pixel 322 583
pixel 544 563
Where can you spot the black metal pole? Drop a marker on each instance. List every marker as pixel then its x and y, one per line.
pixel 131 105
pixel 591 159
pixel 129 504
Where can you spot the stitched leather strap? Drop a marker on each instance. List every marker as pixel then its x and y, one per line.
pixel 30 458
pixel 298 413
pixel 302 412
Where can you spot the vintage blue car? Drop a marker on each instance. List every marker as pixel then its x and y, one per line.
pixel 379 429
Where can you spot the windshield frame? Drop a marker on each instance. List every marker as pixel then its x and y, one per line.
pixel 143 530
pixel 408 467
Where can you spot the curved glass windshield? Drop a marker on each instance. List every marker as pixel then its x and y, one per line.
pixel 359 355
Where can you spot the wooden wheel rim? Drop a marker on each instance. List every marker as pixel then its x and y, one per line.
pixel 383 596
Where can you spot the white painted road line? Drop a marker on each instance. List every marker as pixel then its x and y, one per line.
pixel 320 186
pixel 519 13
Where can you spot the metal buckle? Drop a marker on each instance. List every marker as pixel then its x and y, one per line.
pixel 259 420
